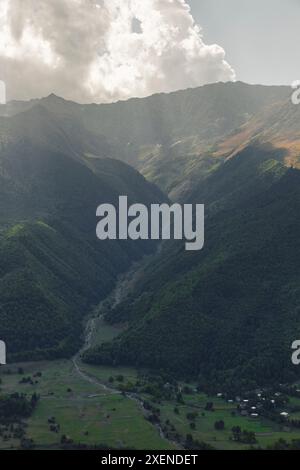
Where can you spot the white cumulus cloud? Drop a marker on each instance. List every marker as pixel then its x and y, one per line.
pixel 104 50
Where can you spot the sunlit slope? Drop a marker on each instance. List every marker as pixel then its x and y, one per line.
pixel 170 138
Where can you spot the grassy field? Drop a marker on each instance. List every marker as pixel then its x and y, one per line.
pixel 266 432
pixel 104 332
pixel 89 413
pixel 85 412
pixel 205 430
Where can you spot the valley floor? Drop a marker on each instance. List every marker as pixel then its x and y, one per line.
pixel 87 406
pixel 94 406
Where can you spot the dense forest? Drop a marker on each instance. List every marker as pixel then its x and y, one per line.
pixel 53 270
pixel 229 313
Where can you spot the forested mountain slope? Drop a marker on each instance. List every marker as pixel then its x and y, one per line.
pixel 53 269
pixel 228 314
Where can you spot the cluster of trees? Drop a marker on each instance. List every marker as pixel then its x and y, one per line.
pixel 192 444
pixel 12 430
pixel 16 406
pixel 219 425
pixel 282 444
pixel 160 386
pixel 244 437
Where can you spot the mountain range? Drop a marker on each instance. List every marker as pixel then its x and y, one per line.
pixel 226 315
pixel 172 139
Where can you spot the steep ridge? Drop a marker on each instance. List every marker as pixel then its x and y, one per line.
pixel 53 268
pixel 208 314
pixel 170 138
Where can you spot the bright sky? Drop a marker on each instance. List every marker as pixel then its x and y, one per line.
pixel 261 37
pixel 105 50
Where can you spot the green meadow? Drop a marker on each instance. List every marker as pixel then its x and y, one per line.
pixel 90 414
pixel 88 408
pixel 85 412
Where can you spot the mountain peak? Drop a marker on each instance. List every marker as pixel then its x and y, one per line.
pixel 53 97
